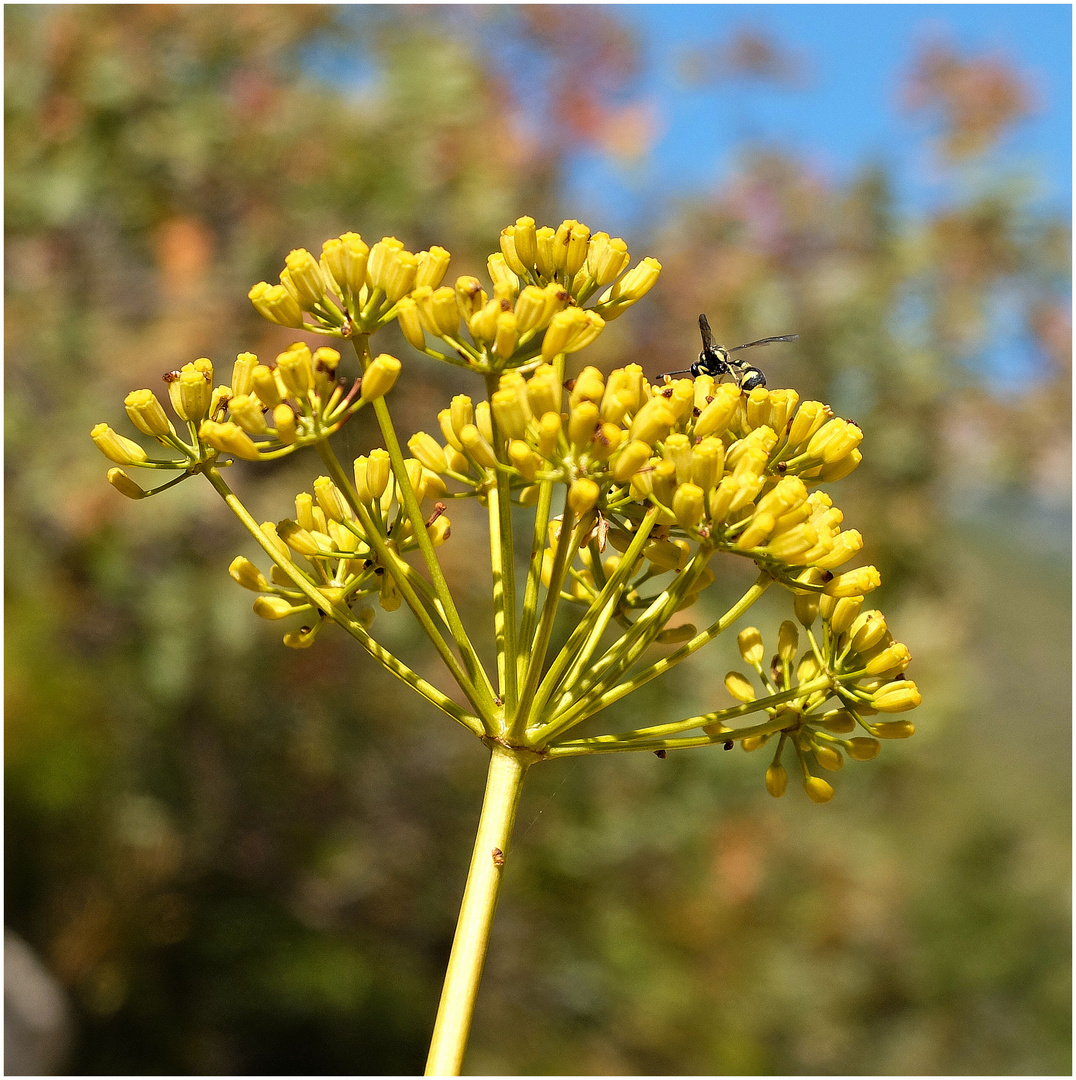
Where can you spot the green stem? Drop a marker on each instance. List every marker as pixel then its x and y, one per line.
pixel 412 678
pixel 593 703
pixel 507 769
pixel 502 560
pixel 623 653
pixel 643 736
pixel 584 638
pixel 342 617
pixel 414 513
pixel 393 564
pixel 584 746
pixel 566 544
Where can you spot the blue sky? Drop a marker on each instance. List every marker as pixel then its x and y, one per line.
pixel 848 112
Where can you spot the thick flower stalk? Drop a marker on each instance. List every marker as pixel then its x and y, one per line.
pixel 627 489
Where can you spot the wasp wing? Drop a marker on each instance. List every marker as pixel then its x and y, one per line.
pixel 765 341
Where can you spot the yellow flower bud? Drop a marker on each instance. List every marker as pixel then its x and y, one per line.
pixel 296 369
pixel 753 742
pixel 191 393
pixel 275 303
pixel 304 510
pixel 501 275
pixel 380 264
pixel 507 335
pixel 380 377
pixel 776 780
pixel 559 333
pixel 582 423
pixel 378 467
pixel 524 459
pixel 273 607
pixel 739 687
pixel 524 242
pixel 707 462
pixel 788 641
pixel 630 460
pixel 410 323
pixel 758 528
pixel 589 386
pixel 897 696
pixel 331 500
pixel 863 749
pixel 606 259
pixel 478 447
pixel 677 449
pixel 508 251
pixel 782 405
pixel 443 313
pixel 605 442
pixel 751 646
pixel 247 574
pixel 549 434
pixel 266 386
pixel 805 606
pixel 631 288
pixel 668 554
pixel 893 659
pixel 854 582
pixel 147 413
pixel 242 374
pixel 834 440
pixel 432 267
pixel 817 789
pixel 285 424
pixel 688 505
pixel 116 447
pixel 483 420
pixel 829 758
pixel 229 438
pixel 652 422
pixel 308 282
pixel 839 469
pixel 344 260
pixel 583 495
pixel 533 309
pixel 470 296
pixel 810 416
pixel 674 635
pixel 869 629
pixel 842 613
pixel 839 721
pixel 788 493
pixel 846 545
pixel 428 451
pixel 714 418
pixel 124 484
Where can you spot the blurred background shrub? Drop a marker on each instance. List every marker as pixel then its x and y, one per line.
pixel 240 859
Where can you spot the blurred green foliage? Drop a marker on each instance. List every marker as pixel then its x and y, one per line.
pixel 242 859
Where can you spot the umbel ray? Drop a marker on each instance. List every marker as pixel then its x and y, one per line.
pixel 717 361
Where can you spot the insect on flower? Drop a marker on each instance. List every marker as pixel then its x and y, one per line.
pixel 715 361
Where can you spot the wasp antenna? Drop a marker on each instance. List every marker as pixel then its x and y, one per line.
pixel 682 371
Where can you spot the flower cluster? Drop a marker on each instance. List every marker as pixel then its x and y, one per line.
pixel 723 468
pixel 541 278
pixel 338 553
pixel 854 660
pixel 265 413
pixel 667 474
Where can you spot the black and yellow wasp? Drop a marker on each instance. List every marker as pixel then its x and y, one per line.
pixel 717 361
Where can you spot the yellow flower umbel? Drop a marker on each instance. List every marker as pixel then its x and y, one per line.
pixel 632 493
